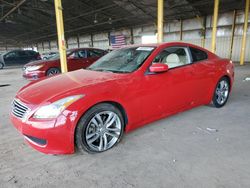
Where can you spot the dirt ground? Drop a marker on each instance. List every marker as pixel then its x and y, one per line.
pixel 175 152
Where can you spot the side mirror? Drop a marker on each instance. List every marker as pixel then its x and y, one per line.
pixel 158 68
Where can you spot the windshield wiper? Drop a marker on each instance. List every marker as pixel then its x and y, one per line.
pixel 107 70
pixel 119 71
pixel 101 70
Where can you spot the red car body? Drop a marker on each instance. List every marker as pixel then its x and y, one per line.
pixel 74 62
pixel 142 97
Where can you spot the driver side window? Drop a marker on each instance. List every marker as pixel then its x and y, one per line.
pixel 10 55
pixel 173 57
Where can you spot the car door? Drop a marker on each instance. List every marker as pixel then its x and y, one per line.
pixel 22 57
pixel 204 73
pixel 30 56
pixel 171 91
pixel 76 60
pixel 11 58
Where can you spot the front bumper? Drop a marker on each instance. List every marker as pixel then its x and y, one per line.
pixel 33 75
pixel 49 137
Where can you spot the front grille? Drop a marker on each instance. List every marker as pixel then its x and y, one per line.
pixel 18 108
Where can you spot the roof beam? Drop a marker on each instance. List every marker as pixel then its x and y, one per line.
pixel 13 9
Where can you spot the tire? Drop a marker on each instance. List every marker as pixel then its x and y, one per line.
pixel 221 93
pixel 99 129
pixel 53 71
pixel 1 65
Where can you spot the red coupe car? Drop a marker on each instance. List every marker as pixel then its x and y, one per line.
pixel 123 90
pixel 76 59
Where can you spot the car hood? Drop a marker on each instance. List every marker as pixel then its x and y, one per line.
pixel 44 90
pixel 39 62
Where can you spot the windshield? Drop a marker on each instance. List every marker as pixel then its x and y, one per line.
pixel 57 55
pixel 123 60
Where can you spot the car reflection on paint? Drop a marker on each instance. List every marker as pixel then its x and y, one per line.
pixel 76 59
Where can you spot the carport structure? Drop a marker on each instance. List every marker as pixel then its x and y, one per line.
pixel 34 20
pixel 29 22
pixel 204 146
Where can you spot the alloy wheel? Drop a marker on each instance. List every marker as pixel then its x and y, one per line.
pixel 103 131
pixel 53 72
pixel 222 92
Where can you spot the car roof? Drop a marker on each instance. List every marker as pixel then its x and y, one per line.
pixel 87 48
pixel 167 44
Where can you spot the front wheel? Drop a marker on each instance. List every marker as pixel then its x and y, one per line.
pixel 53 71
pixel 221 93
pixel 99 129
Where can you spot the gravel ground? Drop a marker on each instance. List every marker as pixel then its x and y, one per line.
pixel 174 152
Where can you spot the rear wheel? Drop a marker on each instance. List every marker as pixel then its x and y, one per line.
pixel 1 65
pixel 221 93
pixel 53 71
pixel 99 129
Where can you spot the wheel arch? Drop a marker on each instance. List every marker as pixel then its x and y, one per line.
pixel 114 103
pixel 215 84
pixel 229 79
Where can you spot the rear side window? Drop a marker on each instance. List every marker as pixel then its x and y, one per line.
pixel 198 55
pixel 96 53
pixel 32 53
pixel 22 53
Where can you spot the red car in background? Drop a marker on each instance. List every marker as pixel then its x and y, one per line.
pixel 76 59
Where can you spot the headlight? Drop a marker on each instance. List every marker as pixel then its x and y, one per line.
pixel 33 68
pixel 54 109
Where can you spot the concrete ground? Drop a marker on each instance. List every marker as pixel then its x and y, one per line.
pixel 175 152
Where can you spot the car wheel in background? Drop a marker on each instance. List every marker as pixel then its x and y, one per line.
pixel 53 71
pixel 99 129
pixel 1 65
pixel 221 92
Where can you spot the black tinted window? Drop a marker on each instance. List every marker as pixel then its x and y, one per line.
pixel 198 55
pixel 11 54
pixel 82 54
pixel 22 53
pixel 31 53
pixel 96 53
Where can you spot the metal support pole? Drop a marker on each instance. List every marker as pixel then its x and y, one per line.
pixel 92 40
pixel 203 27
pixel 215 19
pixel 204 30
pixel 67 44
pixel 160 20
pixel 60 34
pixel 132 35
pixel 49 45
pixel 109 38
pixel 42 46
pixel 243 45
pixel 78 41
pixel 232 35
pixel 181 29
